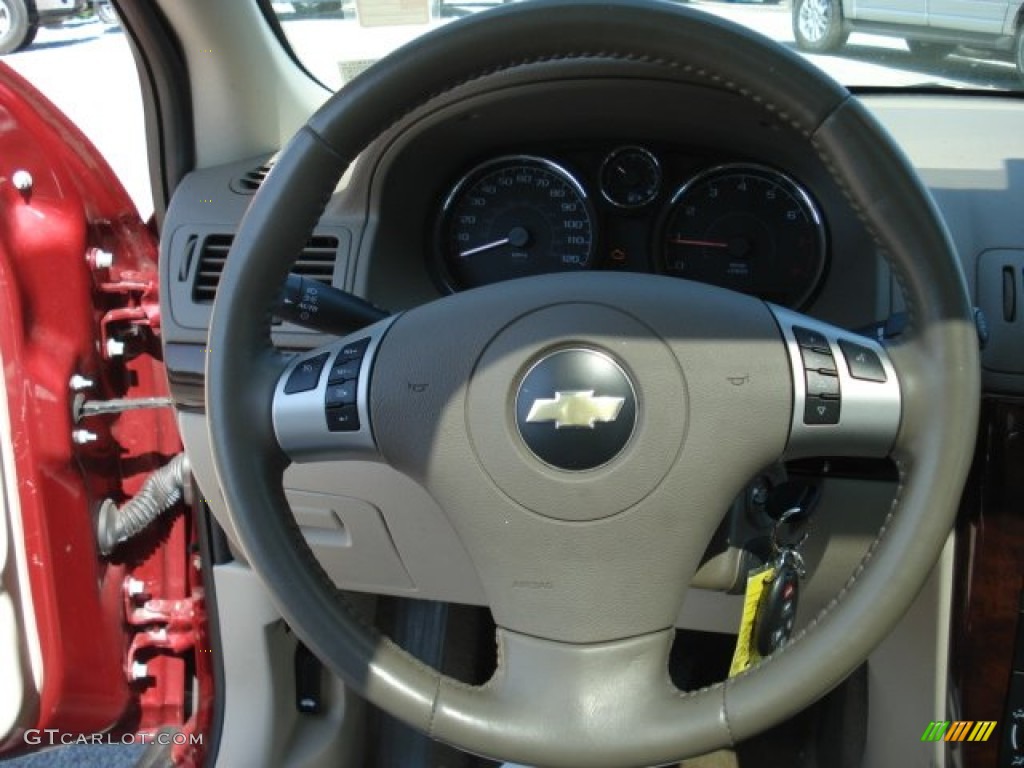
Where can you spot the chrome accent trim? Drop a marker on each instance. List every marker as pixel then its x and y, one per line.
pixel 648 156
pixel 440 261
pixel 787 182
pixel 300 421
pixel 870 411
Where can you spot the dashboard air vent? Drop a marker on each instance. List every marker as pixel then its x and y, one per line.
pixel 250 181
pixel 316 262
pixel 317 258
pixel 212 256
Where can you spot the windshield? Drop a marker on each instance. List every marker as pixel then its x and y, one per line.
pixel 874 43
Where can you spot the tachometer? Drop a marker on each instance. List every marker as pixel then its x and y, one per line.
pixel 748 228
pixel 512 217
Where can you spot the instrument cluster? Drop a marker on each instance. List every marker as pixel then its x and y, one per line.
pixel 745 226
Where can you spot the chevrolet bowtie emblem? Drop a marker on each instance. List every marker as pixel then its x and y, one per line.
pixel 575 409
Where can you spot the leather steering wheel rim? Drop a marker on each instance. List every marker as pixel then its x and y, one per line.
pixel 937 362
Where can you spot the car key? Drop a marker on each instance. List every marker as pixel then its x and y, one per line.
pixel 776 611
pixel 769 608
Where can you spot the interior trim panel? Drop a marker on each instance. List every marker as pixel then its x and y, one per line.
pixel 385 229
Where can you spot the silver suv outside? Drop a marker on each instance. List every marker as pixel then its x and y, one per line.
pixel 21 19
pixel 932 28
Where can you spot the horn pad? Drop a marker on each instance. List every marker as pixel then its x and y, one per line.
pixel 577 425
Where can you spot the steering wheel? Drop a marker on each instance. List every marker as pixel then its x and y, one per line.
pixel 579 431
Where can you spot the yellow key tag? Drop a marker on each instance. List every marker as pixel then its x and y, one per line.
pixel 745 654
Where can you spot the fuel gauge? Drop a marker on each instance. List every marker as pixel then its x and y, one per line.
pixel 630 177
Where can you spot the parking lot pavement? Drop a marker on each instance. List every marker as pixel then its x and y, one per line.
pixel 90 756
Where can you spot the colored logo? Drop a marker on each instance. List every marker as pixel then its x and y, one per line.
pixel 959 730
pixel 575 409
pixel 564 421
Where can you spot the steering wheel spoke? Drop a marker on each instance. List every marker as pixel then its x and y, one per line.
pixel 321 402
pixel 846 391
pixel 596 581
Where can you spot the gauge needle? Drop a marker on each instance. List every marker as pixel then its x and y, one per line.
pixel 484 247
pixel 517 238
pixel 702 243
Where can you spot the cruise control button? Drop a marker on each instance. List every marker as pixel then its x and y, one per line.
pixel 862 362
pixel 819 384
pixel 343 419
pixel 342 370
pixel 817 361
pixel 805 337
pixel 341 394
pixel 353 350
pixel 306 375
pixel 819 410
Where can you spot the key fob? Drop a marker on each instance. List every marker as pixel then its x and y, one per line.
pixel 776 613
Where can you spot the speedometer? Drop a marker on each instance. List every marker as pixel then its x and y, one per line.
pixel 748 228
pixel 511 217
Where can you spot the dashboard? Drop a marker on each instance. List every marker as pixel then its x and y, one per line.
pixel 740 225
pixel 596 165
pixel 670 178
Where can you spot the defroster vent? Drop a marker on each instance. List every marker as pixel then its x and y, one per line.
pixel 250 181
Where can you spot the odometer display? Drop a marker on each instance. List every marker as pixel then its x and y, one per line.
pixel 747 228
pixel 513 217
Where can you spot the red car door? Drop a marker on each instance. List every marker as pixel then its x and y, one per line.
pixel 94 647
